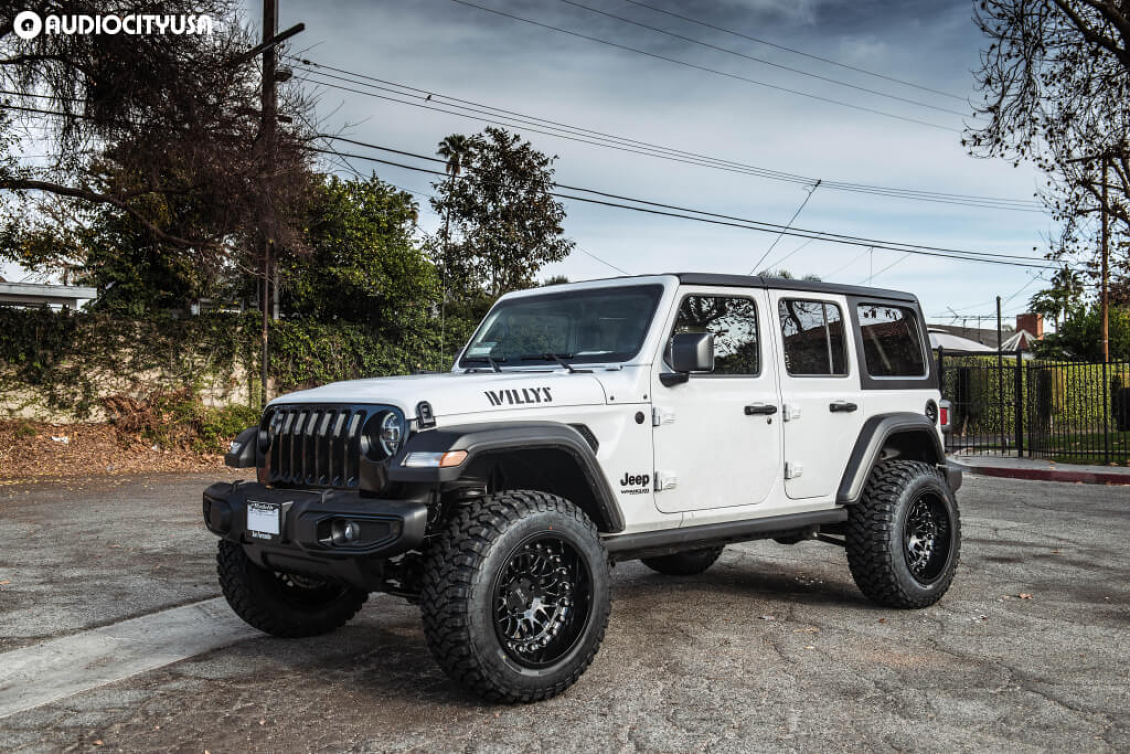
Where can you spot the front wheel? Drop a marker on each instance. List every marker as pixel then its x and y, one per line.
pixel 904 536
pixel 516 596
pixel 283 604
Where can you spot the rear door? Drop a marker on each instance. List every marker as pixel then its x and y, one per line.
pixel 717 436
pixel 822 404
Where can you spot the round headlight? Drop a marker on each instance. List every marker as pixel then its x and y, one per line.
pixel 390 433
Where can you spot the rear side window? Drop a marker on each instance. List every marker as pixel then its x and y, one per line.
pixel 733 320
pixel 892 341
pixel 813 337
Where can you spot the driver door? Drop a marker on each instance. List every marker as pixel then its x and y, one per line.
pixel 717 436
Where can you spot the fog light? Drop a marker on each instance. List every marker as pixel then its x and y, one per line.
pixel 344 532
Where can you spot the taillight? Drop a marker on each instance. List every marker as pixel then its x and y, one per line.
pixel 944 416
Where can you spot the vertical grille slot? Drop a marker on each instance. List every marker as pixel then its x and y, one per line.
pixel 316 446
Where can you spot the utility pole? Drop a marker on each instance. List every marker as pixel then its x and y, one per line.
pixel 1000 376
pixel 270 106
pixel 1105 252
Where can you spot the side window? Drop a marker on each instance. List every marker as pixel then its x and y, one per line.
pixel 733 321
pixel 813 337
pixel 892 341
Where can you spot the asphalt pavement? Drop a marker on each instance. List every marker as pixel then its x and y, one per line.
pixel 773 649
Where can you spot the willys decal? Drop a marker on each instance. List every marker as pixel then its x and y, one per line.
pixel 519 397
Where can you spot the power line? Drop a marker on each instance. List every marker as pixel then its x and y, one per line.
pixel 745 223
pixel 788 225
pixel 605 263
pixel 795 51
pixel 707 69
pixel 782 260
pixel 763 61
pixel 774 227
pixel 438 102
pixel 871 277
pixel 838 270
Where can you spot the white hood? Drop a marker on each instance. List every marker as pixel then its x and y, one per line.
pixel 456 393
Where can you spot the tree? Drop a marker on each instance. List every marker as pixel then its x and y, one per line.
pixel 787 275
pixel 1080 337
pixel 139 122
pixel 1055 81
pixel 507 222
pixel 365 264
pixel 1063 297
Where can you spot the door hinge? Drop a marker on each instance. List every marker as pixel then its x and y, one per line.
pixel 790 412
pixel 661 416
pixel 665 481
pixel 793 469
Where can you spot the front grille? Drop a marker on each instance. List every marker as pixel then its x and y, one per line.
pixel 316 446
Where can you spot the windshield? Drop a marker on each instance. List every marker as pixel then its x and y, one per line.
pixel 598 325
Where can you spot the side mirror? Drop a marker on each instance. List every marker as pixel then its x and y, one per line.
pixel 690 352
pixel 241 454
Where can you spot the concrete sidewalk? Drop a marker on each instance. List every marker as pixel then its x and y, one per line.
pixel 1040 469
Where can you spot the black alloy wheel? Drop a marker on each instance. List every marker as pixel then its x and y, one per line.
pixel 927 538
pixel 543 601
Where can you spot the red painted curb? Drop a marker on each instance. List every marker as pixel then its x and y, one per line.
pixel 1049 475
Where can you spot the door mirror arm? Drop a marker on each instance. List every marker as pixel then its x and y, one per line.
pixel 670 379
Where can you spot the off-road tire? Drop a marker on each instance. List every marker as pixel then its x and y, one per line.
pixel 273 604
pixel 689 563
pixel 464 568
pixel 877 537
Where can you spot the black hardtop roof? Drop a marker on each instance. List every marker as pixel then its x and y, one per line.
pixel 814 286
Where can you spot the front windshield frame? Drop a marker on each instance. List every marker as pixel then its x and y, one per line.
pixel 470 360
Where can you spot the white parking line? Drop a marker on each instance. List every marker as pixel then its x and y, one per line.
pixel 58 668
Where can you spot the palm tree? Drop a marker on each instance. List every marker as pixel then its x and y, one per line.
pixel 456 149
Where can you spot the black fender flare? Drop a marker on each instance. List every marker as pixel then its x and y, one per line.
pixel 874 435
pixel 502 437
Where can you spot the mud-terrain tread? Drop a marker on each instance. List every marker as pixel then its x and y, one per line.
pixel 870 527
pixel 233 567
pixel 452 566
pixel 690 563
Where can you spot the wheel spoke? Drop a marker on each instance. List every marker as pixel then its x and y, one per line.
pixel 535 614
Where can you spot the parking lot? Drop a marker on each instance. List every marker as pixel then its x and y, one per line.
pixel 772 649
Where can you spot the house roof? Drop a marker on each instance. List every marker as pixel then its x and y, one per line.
pixel 984 336
pixel 951 342
pixel 38 294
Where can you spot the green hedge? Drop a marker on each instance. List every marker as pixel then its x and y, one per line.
pixel 1058 396
pixel 70 361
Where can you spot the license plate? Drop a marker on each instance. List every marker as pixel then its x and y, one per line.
pixel 262 519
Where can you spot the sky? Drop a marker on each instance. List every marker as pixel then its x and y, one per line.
pixel 450 49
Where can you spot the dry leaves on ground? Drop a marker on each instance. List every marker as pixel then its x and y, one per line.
pixel 32 449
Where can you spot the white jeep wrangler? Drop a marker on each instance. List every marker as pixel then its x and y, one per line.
pixel 658 418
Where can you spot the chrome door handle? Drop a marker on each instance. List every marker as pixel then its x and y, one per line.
pixel 760 408
pixel 843 406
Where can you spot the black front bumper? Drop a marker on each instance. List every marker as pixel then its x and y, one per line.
pixel 304 543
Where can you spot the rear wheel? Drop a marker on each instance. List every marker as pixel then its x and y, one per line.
pixel 516 596
pixel 904 536
pixel 687 563
pixel 282 604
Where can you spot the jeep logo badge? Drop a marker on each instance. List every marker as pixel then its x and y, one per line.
pixel 634 484
pixel 518 397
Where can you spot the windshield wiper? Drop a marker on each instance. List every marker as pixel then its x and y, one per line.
pixel 485 360
pixel 558 357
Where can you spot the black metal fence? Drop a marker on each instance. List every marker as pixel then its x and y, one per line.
pixel 1003 404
